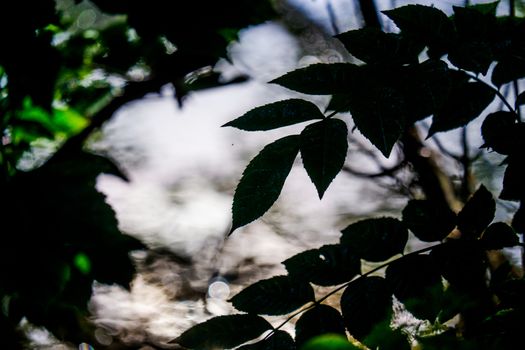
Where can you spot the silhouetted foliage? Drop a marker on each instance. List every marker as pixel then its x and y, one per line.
pixel 396 86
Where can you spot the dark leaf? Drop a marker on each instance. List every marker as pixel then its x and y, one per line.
pixel 322 79
pixel 375 239
pixel 508 69
pixel 365 303
pixel 488 8
pixel 276 115
pixel 447 340
pixel 326 266
pixel 279 340
pixel 520 100
pixel 473 25
pixel 513 180
pixel 416 280
pixel 263 180
pixel 498 236
pixel 329 342
pixel 380 114
pixel 223 332
pixel 278 295
pixel 462 263
pixel 518 221
pixel 465 103
pixel 475 56
pixel 372 45
pixel 320 320
pixel 323 149
pixel 429 221
pixel 428 24
pixel 500 132
pixel 477 213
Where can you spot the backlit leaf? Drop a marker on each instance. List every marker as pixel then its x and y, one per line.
pixel 279 340
pixel 465 103
pixel 263 180
pixel 416 280
pixel 425 23
pixel 276 115
pixel 477 213
pixel 513 180
pixel 498 236
pixel 429 221
pixel 365 303
pixel 375 239
pixel 501 132
pixel 326 266
pixel 462 263
pixel 372 45
pixel 323 149
pixel 320 320
pixel 508 69
pixel 321 79
pixel 278 295
pixel 223 332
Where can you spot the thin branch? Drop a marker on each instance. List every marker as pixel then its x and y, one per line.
pixel 344 285
pixel 385 171
pixel 493 88
pixel 444 150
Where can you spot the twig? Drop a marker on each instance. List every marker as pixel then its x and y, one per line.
pixel 385 171
pixel 344 285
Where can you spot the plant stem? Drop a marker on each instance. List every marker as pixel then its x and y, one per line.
pixel 498 93
pixel 332 292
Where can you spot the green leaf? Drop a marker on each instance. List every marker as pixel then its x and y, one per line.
pixel 263 180
pixel 501 132
pixel 465 103
pixel 276 115
pixel 365 303
pixel 326 266
pixel 279 340
pixel 462 263
pixel 477 213
pixel 383 337
pixel 498 236
pixel 375 239
pixel 429 221
pixel 428 24
pixel 320 320
pixel 278 295
pixel 321 79
pixel 223 332
pixel 372 45
pixel 329 342
pixel 508 69
pixel 416 280
pixel 323 149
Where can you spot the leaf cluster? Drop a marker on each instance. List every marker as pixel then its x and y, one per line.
pixel 386 94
